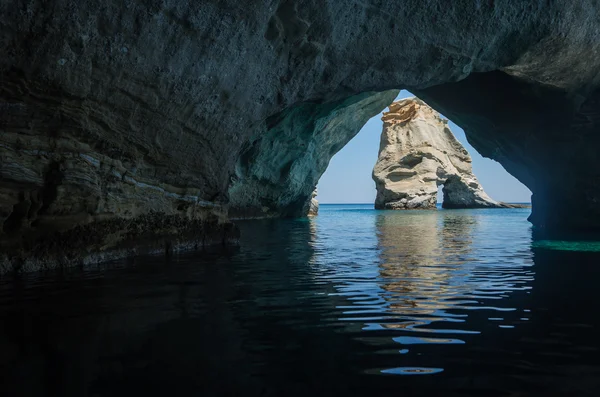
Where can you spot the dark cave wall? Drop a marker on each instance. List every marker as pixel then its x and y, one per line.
pixel 544 136
pixel 279 170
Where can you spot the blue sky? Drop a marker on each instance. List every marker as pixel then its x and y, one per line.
pixel 348 177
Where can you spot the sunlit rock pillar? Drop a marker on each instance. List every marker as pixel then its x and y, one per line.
pixel 418 153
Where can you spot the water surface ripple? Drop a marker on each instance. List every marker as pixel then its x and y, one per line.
pixel 352 302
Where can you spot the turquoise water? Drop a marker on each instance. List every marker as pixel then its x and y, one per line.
pixel 353 302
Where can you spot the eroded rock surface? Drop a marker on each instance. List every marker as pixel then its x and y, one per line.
pixel 313 208
pixel 418 153
pixel 185 97
pixel 278 170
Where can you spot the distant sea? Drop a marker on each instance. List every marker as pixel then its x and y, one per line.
pixel 371 205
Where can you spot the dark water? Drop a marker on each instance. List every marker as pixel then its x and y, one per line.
pixel 353 303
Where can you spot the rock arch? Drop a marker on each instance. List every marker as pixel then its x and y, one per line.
pixel 417 154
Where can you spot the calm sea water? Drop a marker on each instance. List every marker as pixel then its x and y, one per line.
pixel 354 302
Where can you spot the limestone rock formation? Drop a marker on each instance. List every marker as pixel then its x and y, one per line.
pixel 117 117
pixel 418 153
pixel 313 209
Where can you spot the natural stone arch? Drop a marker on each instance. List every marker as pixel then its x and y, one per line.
pixel 457 193
pixel 418 153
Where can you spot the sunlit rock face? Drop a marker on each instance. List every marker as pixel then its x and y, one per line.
pixel 418 153
pixel 176 95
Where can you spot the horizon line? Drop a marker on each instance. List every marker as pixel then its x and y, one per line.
pixel 507 202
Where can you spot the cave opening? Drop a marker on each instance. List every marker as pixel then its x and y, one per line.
pixel 348 177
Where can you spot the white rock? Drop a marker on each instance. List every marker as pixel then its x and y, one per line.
pixel 313 208
pixel 418 152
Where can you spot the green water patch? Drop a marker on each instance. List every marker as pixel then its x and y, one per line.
pixel 565 245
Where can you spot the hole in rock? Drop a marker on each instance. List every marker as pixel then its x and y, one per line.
pixel 440 194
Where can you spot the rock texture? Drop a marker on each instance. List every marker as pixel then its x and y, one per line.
pixel 418 153
pixel 313 208
pixel 278 170
pixel 186 97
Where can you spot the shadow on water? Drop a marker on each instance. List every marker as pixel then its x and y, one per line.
pixel 354 302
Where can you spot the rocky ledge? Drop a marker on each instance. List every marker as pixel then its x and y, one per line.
pixel 417 154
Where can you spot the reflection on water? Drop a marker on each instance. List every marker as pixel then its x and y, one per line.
pixel 430 269
pixel 433 285
pixel 353 302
